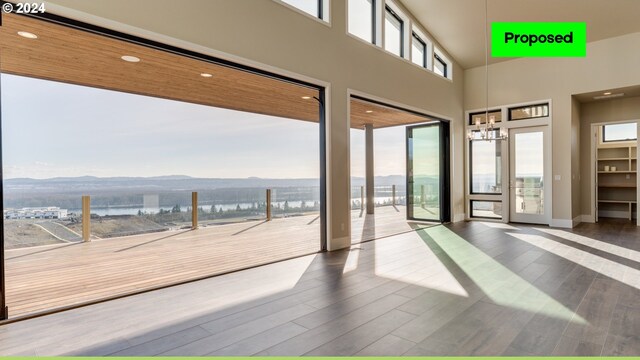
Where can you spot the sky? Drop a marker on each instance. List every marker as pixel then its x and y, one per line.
pixel 52 129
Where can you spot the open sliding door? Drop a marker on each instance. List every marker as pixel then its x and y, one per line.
pixel 428 190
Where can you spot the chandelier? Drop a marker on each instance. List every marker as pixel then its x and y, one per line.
pixel 486 128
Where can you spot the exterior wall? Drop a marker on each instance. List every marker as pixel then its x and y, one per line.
pixel 610 63
pixel 272 36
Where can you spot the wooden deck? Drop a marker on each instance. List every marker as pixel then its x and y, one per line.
pixel 53 276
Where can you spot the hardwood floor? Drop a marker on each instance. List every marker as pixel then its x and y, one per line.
pixel 53 276
pixel 469 288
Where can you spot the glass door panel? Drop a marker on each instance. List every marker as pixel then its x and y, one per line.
pixel 527 175
pixel 424 167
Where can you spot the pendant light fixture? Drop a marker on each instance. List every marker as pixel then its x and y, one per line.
pixel 485 128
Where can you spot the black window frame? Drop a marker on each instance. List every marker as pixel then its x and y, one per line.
pixel 491 111
pixel 114 34
pixel 319 9
pixel 373 22
pixel 415 36
pixel 389 10
pixel 510 117
pixel 604 127
pixel 483 217
pixel 471 192
pixel 444 64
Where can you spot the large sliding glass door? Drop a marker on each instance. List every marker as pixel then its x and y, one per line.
pixel 428 190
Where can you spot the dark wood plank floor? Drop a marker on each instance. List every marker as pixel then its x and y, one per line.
pixel 470 288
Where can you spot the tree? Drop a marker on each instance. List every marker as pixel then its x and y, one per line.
pixel 303 205
pixel 238 208
pixel 176 209
pixel 286 205
pixel 139 212
pixel 213 209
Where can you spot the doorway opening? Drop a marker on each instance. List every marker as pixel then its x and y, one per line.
pixel 399 170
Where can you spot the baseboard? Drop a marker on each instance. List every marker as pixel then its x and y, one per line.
pixel 338 243
pixel 562 223
pixel 576 221
pixel 588 218
pixel 459 217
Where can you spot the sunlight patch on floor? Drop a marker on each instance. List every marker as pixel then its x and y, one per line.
pixel 595 244
pixel 427 270
pixel 500 284
pixel 612 269
pixel 497 225
pixel 352 260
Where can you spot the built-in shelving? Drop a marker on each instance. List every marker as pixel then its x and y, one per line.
pixel 617 189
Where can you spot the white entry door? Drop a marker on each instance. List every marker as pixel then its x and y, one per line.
pixel 529 175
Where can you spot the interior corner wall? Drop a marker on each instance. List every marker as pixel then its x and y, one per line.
pixel 610 63
pixel 576 174
pixel 271 34
pixel 599 112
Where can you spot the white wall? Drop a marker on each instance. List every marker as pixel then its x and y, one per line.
pixel 269 33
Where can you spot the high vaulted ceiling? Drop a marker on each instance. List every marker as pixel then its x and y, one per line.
pixel 458 25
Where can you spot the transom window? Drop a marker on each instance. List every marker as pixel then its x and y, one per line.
pixel 440 66
pixel 393 30
pixel 620 132
pixel 529 112
pixel 418 51
pixel 362 19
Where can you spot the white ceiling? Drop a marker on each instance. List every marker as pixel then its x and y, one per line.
pixel 459 24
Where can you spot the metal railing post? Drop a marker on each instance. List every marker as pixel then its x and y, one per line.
pixel 422 200
pixel 194 210
pixel 86 218
pixel 393 195
pixel 361 197
pixel 268 204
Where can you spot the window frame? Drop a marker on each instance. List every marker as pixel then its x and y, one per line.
pixel 509 110
pixel 604 127
pixel 415 36
pixel 323 10
pixel 471 201
pixel 374 23
pixel 389 11
pixel 471 192
pixel 439 59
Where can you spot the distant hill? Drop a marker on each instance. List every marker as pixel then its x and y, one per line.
pixel 92 184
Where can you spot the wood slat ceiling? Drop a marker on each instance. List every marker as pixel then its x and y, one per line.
pixel 381 116
pixel 73 56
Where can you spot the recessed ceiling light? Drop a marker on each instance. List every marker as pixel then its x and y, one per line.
pixel 608 96
pixel 27 35
pixel 207 75
pixel 306 97
pixel 369 111
pixel 131 59
pixel 607 93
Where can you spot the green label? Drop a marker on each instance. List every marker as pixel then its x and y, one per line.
pixel 538 39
